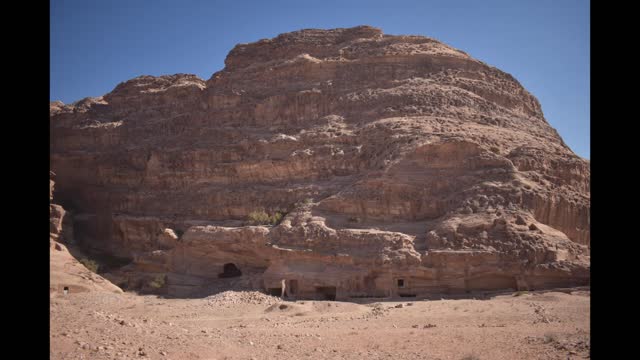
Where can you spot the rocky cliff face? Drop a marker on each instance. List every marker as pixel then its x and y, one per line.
pixel 403 166
pixel 65 271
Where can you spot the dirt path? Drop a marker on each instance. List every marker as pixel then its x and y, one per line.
pixel 551 325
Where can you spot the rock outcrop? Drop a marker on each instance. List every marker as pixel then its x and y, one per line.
pixel 403 166
pixel 65 271
pixel 60 223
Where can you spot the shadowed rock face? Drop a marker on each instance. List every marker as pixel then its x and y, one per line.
pixel 393 157
pixel 65 271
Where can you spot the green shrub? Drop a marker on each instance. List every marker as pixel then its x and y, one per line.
pixel 108 263
pixel 260 217
pixel 157 282
pixel 276 218
pixel 90 264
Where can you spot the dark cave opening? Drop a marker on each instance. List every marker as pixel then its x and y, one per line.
pixel 230 270
pixel 326 292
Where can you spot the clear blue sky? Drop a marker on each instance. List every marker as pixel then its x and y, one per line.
pixel 543 43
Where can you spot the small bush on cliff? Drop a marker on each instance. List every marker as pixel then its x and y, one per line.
pixel 276 218
pixel 157 282
pixel 90 264
pixel 260 217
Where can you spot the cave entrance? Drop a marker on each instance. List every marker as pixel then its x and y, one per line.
pixel 293 287
pixel 230 270
pixel 66 290
pixel 274 291
pixel 326 292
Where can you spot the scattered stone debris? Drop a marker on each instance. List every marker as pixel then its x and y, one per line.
pixel 242 297
pixel 542 315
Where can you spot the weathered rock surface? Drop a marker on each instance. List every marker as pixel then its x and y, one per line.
pixel 65 271
pixel 60 223
pixel 404 166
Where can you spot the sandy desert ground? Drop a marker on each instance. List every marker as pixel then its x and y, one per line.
pixel 250 325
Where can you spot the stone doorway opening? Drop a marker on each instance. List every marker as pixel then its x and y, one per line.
pixel 230 270
pixel 292 289
pixel 274 291
pixel 326 292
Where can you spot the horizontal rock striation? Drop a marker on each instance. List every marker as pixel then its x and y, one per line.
pixel 393 158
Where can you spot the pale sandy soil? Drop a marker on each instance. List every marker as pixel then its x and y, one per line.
pixel 537 325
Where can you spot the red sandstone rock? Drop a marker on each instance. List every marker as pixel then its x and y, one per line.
pixel 394 157
pixel 65 271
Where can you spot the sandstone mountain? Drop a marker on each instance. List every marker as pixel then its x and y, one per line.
pixel 401 166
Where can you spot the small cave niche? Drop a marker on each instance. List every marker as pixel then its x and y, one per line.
pixel 274 291
pixel 230 270
pixel 326 292
pixel 400 283
pixel 293 287
pixel 65 290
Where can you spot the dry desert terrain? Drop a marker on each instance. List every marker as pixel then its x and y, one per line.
pixel 251 325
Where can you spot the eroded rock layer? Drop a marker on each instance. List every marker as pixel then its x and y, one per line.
pixel 402 165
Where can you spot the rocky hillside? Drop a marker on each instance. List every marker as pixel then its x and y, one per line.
pixel 400 165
